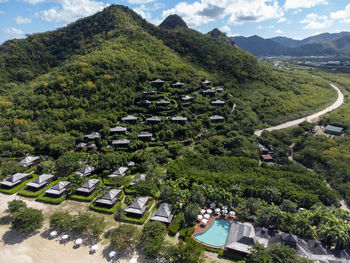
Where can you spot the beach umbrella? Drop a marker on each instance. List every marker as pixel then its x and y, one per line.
pixel 203 211
pixel 112 254
pixel 199 217
pixel 79 241
pixel 133 260
pixel 209 211
pixel 224 212
pixel 212 205
pixel 204 221
pixel 207 216
pixel 232 213
pixel 64 237
pixel 217 210
pixel 224 207
pixel 94 247
pixel 53 233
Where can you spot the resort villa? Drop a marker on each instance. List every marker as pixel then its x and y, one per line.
pixel 140 177
pixel 121 171
pixel 163 214
pixel 138 207
pixel 15 179
pixel 88 187
pixel 40 182
pixel 58 189
pixel 109 199
pixel 87 171
pixel 30 161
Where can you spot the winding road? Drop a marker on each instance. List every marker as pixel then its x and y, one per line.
pixel 310 118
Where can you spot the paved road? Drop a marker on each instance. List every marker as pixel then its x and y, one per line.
pixel 310 118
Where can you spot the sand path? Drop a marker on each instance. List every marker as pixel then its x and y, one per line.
pixel 311 118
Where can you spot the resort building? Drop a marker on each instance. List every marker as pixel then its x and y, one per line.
pixel 145 136
pixel 217 103
pixel 206 83
pixel 129 119
pixel 92 136
pixel 187 98
pixel 163 103
pixel 118 130
pixel 157 83
pixel 87 171
pixel 88 187
pixel 138 207
pixel 219 90
pixel 152 92
pixel 131 164
pixel 58 189
pixel 80 146
pixel 144 103
pixel 154 119
pixel 140 177
pixel 40 182
pixel 121 171
pixel 30 161
pixel 163 214
pixel 267 158
pixel 208 92
pixel 333 130
pixel 178 85
pixel 121 142
pixel 15 179
pixel 263 149
pixel 216 118
pixel 109 199
pixel 179 119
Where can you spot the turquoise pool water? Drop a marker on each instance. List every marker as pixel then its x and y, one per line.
pixel 216 235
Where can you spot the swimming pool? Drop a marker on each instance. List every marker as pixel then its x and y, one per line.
pixel 216 235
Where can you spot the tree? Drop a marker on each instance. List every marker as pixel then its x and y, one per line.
pixel 46 167
pixel 288 206
pixel 27 220
pixel 124 236
pixel 189 251
pixel 190 213
pixel 259 254
pixel 153 236
pixel 119 214
pixel 15 206
pixel 62 221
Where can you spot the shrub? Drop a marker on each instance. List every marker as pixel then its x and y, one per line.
pixel 27 219
pixel 176 224
pixel 15 206
pixel 51 200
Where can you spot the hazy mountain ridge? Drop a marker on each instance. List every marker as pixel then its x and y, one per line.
pixel 322 44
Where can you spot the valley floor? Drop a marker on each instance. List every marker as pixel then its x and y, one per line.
pixel 311 118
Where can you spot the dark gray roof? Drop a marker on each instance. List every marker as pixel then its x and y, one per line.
pixel 240 237
pixel 157 81
pixel 145 135
pixel 129 118
pixel 139 206
pixel 206 82
pixel 118 129
pixel 58 188
pixel 208 91
pixel 178 84
pixel 163 102
pixel 110 197
pixel 216 118
pixel 81 145
pixel 187 98
pixel 144 102
pixel 152 92
pixel 154 119
pixel 121 171
pixel 86 171
pixel 217 102
pixel 163 213
pixel 93 135
pixel 131 163
pixel 15 179
pixel 140 177
pixel 179 118
pixel 29 160
pixel 88 186
pixel 40 180
pixel 121 142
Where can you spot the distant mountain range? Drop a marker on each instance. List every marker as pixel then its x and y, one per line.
pixel 318 45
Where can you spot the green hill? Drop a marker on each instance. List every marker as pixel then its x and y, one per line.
pixel 60 85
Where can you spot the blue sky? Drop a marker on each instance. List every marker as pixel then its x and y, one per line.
pixel 268 18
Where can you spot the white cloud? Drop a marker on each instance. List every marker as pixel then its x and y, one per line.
pixel 34 2
pixel 226 29
pixel 22 20
pixel 139 1
pixel 13 33
pixel 294 4
pixel 281 20
pixel 4 1
pixel 238 11
pixel 343 15
pixel 145 12
pixel 71 10
pixel 314 21
pixel 265 27
pixel 279 31
pixel 2 12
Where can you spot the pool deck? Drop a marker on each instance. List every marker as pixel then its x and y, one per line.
pixel 199 228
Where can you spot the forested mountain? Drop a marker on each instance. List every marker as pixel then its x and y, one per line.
pixel 59 85
pixel 322 44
